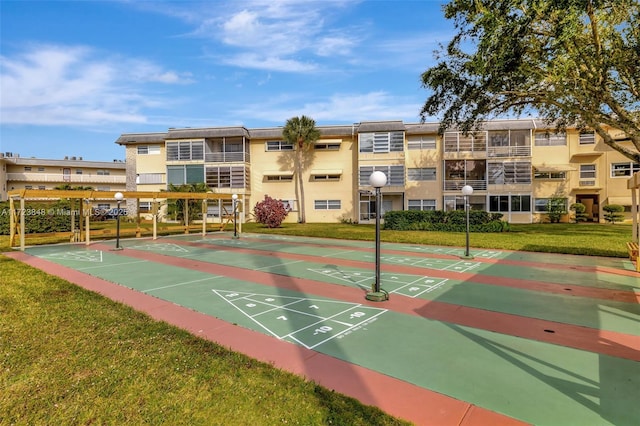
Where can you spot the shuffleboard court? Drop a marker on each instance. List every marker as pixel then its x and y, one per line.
pixel 312 297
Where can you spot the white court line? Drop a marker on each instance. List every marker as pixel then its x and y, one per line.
pixel 338 334
pixel 183 283
pixel 337 253
pixel 279 264
pixel 113 264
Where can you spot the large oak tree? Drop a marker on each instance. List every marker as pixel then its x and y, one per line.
pixel 571 62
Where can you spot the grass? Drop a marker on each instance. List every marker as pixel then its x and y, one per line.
pixel 607 240
pixel 70 356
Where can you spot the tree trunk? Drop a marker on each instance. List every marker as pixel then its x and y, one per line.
pixel 301 210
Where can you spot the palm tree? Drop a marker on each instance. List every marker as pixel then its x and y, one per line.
pixel 302 133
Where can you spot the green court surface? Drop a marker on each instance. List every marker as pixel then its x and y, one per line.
pixel 533 381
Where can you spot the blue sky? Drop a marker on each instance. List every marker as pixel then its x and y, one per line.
pixel 74 75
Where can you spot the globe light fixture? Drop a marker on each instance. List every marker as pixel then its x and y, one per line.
pixel 467 190
pixel 377 179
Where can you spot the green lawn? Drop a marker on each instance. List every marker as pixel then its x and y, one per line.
pixel 70 356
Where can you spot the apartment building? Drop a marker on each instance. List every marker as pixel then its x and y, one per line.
pixel 46 174
pixel 514 167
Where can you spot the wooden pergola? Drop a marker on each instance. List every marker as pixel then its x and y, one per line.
pixel 634 185
pixel 81 205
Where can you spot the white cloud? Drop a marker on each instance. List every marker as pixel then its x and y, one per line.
pixel 62 85
pixel 338 108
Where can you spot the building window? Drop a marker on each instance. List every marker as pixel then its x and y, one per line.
pixel 103 172
pixel 624 169
pixel 326 146
pixel 421 142
pixel 541 205
pixel 41 187
pixel 459 142
pixel 509 173
pixel 226 177
pixel 185 151
pixel 148 149
pixel 587 171
pixel 41 169
pixel 151 178
pixel 279 178
pixel 28 187
pixel 27 168
pixel 327 204
pixel 103 188
pixel 550 175
pixel 421 205
pixel 422 174
pixel 587 138
pixel 180 175
pixel 145 206
pixel 551 139
pixel 78 171
pixel 279 146
pixel 509 203
pixel 381 142
pixel 395 174
pixel 325 178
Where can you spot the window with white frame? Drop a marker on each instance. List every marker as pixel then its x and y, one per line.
pixel 550 175
pixel 421 142
pixel 587 171
pixel 505 173
pixel 587 137
pixel 145 206
pixel 624 169
pixel 327 204
pixel 421 174
pixel 185 150
pixel 179 175
pixel 328 146
pixel 381 142
pixel 395 174
pixel 148 149
pixel 421 205
pixel 279 178
pixel 541 205
pixel 509 203
pixel 329 177
pixel 460 142
pixel 226 177
pixel 278 146
pixel 150 178
pixel 103 172
pixel 550 139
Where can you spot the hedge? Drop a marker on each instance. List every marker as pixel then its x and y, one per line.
pixel 438 220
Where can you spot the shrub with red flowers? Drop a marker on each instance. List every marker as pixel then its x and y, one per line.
pixel 270 212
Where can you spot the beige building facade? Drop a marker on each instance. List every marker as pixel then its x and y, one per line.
pixel 514 166
pixel 18 173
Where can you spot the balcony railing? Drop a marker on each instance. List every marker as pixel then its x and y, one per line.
pixel 65 178
pixel 226 157
pixel 456 185
pixel 509 151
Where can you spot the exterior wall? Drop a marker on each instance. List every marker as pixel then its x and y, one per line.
pixel 333 190
pixel 3 179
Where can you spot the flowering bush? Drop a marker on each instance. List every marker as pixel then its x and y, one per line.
pixel 270 212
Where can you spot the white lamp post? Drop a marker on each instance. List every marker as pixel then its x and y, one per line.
pixel 467 190
pixel 119 197
pixel 234 198
pixel 377 180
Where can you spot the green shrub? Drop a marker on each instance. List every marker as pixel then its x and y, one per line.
pixel 39 217
pixel 438 220
pixel 579 210
pixel 613 213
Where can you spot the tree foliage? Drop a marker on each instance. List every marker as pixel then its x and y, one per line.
pixel 613 213
pixel 270 212
pixel 302 133
pixel 176 208
pixel 573 62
